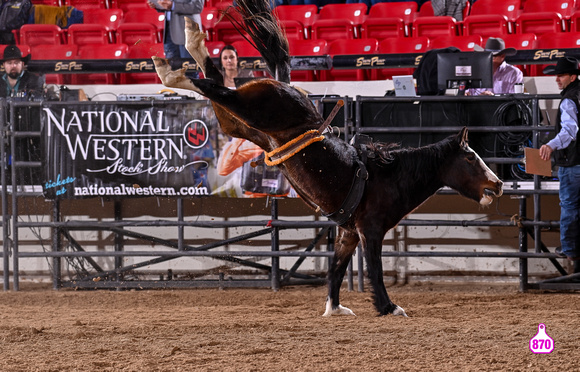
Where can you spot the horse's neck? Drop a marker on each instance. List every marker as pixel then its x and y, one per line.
pixel 421 168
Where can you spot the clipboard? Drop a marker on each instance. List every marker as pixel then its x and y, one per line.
pixel 535 164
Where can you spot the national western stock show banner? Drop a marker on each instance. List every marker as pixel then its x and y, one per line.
pixel 164 149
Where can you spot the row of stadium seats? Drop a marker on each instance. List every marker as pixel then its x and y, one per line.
pixel 100 26
pixel 129 33
pixel 95 51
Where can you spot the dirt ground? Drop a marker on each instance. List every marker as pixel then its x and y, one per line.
pixel 450 327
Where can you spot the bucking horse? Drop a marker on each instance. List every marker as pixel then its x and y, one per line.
pixel 366 189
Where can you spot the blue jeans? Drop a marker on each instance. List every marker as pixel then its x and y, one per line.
pixel 570 210
pixel 176 51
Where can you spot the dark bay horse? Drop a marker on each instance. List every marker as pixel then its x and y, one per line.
pixel 366 192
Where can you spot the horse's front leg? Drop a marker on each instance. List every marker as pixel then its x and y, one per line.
pixel 382 301
pixel 346 243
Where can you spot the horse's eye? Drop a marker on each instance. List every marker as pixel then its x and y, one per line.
pixel 470 156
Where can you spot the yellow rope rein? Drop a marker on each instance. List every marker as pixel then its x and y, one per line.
pixel 315 137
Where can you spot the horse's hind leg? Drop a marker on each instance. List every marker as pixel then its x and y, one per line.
pixel 173 78
pixel 346 243
pixel 195 45
pixel 382 301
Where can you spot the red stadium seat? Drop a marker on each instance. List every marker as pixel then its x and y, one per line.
pixel 140 51
pixel 508 8
pixel 306 48
pixel 293 29
pixel 539 23
pixel 110 18
pixel 407 11
pixel 332 29
pixel 86 4
pixel 426 10
pixel 520 41
pixel 305 14
pixel 465 43
pixel 354 12
pixel 575 22
pixel 99 51
pixel 149 15
pixel 209 17
pixel 399 45
pixel 219 3
pixel 486 25
pixel 381 28
pixel 434 26
pixel 127 5
pixel 214 48
pixel 35 34
pixel 225 31
pixel 132 33
pixel 85 33
pixel 245 49
pixel 564 7
pixel 54 52
pixel 344 47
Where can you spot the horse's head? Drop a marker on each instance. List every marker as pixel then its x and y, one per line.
pixel 466 173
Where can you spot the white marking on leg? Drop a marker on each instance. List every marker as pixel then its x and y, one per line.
pixel 339 310
pixel 400 311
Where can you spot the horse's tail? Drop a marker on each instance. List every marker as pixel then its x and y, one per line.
pixel 267 36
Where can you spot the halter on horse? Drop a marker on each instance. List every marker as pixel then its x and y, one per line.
pixel 276 116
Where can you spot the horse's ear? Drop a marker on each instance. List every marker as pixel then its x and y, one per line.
pixel 462 137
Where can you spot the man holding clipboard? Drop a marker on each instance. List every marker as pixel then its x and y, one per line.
pixel 565 148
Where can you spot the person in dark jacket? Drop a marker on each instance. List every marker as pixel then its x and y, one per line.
pixel 565 149
pixel 16 81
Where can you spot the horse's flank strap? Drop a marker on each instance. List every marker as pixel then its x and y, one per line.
pixel 289 149
pixel 352 200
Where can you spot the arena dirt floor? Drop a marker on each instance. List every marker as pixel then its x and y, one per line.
pixel 450 327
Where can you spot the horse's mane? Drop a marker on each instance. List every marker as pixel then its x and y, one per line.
pixel 417 160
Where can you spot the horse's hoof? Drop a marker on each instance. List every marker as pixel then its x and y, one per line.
pixel 339 310
pixel 159 62
pixel 399 311
pixel 194 38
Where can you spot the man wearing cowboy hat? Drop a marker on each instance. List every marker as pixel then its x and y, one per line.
pixel 505 76
pixel 16 79
pixel 566 150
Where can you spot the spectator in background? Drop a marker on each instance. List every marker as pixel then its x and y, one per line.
pixel 228 65
pixel 505 76
pixel 174 34
pixel 16 81
pixel 453 8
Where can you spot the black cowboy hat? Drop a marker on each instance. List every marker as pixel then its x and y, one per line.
pixel 565 65
pixel 496 46
pixel 12 52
